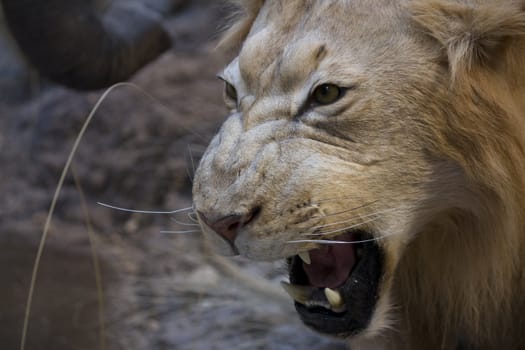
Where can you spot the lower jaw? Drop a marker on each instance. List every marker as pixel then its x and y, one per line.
pixel 360 293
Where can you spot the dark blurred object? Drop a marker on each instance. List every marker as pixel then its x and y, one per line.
pixel 88 44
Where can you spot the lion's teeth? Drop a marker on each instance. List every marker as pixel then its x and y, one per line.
pixel 305 257
pixel 334 298
pixel 301 294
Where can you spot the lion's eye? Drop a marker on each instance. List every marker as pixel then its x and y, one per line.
pixel 230 91
pixel 326 94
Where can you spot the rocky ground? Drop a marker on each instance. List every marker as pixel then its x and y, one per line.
pixel 160 290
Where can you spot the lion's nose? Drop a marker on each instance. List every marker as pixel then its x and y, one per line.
pixel 228 226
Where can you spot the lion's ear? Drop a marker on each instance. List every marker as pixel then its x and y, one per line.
pixel 471 35
pixel 235 35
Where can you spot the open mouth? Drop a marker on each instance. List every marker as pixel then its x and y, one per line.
pixel 335 287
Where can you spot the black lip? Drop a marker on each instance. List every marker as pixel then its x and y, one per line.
pixel 360 292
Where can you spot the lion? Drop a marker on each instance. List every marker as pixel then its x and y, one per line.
pixel 378 147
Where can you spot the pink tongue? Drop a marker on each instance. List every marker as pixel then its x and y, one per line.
pixel 331 265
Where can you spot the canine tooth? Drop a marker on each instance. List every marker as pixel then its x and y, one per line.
pixel 301 294
pixel 305 257
pixel 334 298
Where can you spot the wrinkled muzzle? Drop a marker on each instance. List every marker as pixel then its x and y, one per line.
pixel 257 196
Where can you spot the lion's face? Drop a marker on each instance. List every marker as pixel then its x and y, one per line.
pixel 329 157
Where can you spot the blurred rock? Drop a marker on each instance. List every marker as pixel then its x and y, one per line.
pixel 16 78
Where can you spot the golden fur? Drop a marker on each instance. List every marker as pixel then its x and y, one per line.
pixel 431 145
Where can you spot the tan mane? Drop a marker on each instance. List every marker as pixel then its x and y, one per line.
pixel 483 46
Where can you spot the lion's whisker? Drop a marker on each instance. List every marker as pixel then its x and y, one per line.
pixel 182 223
pixel 349 210
pixel 193 217
pixel 192 172
pixel 191 159
pixel 324 200
pixel 198 148
pixel 188 173
pixel 144 211
pixel 344 228
pixel 324 241
pixel 180 232
pixel 354 218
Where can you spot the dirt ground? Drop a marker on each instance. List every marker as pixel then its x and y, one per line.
pixel 160 290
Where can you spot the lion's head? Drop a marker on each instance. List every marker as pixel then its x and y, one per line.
pixel 378 147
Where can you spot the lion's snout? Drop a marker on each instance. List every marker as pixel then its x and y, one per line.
pixel 227 227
